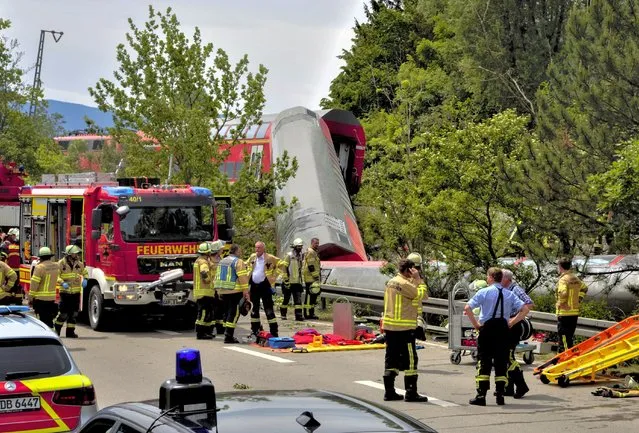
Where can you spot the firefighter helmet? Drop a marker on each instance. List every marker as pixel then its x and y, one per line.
pixel 245 306
pixel 298 242
pixel 3 255
pixel 45 252
pixel 72 249
pixel 217 246
pixel 415 258
pixel 315 288
pixel 205 248
pixel 14 231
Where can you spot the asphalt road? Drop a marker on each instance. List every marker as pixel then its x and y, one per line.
pixel 130 364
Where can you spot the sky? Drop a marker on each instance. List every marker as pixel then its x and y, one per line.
pixel 297 40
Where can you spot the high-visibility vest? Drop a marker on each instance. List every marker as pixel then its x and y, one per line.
pixel 44 281
pixel 202 278
pixel 402 303
pixel 13 259
pixel 311 266
pixel 72 274
pixel 292 268
pixel 570 291
pixel 8 274
pixel 231 276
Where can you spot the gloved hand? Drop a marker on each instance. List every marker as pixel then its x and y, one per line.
pixel 65 285
pixel 84 283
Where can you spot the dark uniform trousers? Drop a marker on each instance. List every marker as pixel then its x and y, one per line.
pixel 46 311
pixel 296 291
pixel 219 314
pixel 205 310
pixel 231 312
pixel 493 344
pixel 68 311
pixel 566 327
pixel 262 292
pixel 515 373
pixel 310 300
pixel 11 300
pixel 401 353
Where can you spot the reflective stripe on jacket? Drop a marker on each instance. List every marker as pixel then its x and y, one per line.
pixel 72 274
pixel 202 278
pixel 8 274
pixel 270 267
pixel 402 303
pixel 311 266
pixel 13 256
pixel 44 280
pixel 231 276
pixel 570 291
pixel 291 268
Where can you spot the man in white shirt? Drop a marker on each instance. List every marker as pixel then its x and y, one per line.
pixel 262 274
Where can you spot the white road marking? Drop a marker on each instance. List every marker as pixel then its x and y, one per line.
pixel 432 400
pixel 164 331
pixel 260 355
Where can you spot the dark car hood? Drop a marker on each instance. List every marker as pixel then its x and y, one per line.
pixel 277 411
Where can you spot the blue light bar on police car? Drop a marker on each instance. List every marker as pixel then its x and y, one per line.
pixel 4 309
pixel 188 367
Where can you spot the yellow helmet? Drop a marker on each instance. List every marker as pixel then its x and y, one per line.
pixel 217 246
pixel 44 251
pixel 72 249
pixel 415 258
pixel 298 242
pixel 205 248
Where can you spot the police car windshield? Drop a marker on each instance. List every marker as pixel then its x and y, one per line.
pixel 158 224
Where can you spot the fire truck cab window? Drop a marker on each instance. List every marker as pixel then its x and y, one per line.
pixel 106 225
pixel 164 224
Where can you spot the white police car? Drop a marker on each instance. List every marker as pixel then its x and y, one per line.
pixel 41 388
pixel 189 404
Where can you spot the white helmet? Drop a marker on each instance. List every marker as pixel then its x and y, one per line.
pixel 298 242
pixel 14 231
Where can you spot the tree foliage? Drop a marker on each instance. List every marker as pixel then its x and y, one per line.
pixel 171 98
pixel 509 128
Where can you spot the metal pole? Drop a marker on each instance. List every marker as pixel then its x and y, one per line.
pixel 38 69
pixel 168 179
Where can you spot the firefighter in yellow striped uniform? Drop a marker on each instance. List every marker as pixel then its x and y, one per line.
pixel 203 292
pixel 231 283
pixel 291 267
pixel 217 248
pixel 8 278
pixel 311 267
pixel 402 302
pixel 570 292
pixel 73 275
pixel 42 287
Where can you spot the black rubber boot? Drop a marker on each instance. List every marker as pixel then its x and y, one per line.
pixel 389 388
pixel 273 329
pixel 520 383
pixel 283 312
pixel 410 382
pixel 58 329
pixel 228 336
pixel 500 388
pixel 480 398
pixel 205 336
pixel 509 391
pixel 70 333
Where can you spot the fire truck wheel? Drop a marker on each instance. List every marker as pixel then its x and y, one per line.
pixel 96 309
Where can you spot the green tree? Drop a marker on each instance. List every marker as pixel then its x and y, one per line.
pixel 20 135
pixel 172 99
pixel 381 45
pixel 166 89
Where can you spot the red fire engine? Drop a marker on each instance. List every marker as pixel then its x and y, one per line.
pixel 11 180
pixel 134 234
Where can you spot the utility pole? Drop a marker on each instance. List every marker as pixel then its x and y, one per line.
pixel 38 68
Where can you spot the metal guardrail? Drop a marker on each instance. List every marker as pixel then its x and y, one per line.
pixel 541 321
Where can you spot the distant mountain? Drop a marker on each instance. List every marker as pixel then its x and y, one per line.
pixel 73 115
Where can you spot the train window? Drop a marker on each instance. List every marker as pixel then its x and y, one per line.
pixel 229 169
pixel 229 132
pixel 238 168
pixel 64 144
pixel 250 132
pixel 97 144
pixel 261 132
